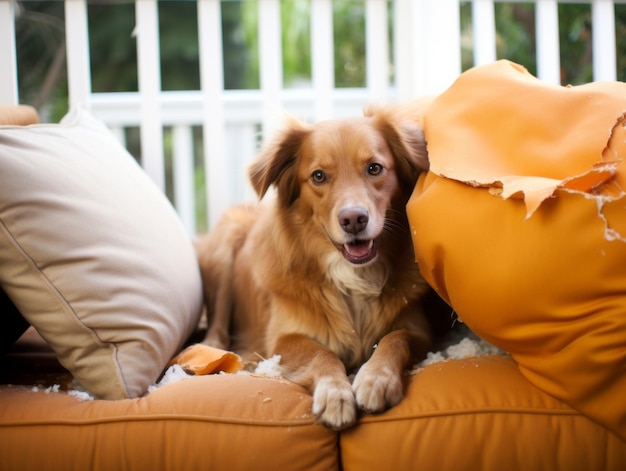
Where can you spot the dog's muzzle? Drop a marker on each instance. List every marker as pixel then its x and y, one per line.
pixel 354 220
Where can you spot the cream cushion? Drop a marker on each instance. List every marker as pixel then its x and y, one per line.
pixel 93 255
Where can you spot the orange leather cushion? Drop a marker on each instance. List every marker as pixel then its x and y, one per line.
pixel 203 422
pixel 479 414
pixel 465 414
pixel 521 224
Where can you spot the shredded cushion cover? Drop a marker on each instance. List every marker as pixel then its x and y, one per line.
pixel 520 225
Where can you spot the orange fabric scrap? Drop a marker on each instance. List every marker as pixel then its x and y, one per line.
pixel 199 359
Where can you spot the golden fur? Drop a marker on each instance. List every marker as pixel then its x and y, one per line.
pixel 324 273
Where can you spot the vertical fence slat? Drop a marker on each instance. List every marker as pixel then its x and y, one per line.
pixel 240 143
pixel 420 16
pixel 270 62
pixel 377 49
pixel 603 40
pixel 548 51
pixel 403 39
pixel 149 74
pixel 484 32
pixel 437 55
pixel 8 60
pixel 322 57
pixel 213 128
pixel 77 47
pixel 184 194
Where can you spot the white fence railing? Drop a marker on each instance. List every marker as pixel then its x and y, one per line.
pixel 426 60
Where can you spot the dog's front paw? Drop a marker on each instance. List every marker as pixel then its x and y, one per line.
pixel 377 389
pixel 333 403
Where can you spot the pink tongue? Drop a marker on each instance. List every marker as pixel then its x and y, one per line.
pixel 359 249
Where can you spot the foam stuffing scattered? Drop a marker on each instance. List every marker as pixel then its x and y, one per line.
pixel 80 395
pixel 173 374
pixel 466 348
pixel 269 367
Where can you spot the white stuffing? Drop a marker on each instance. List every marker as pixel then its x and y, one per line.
pixel 172 374
pixel 54 388
pixel 175 373
pixel 79 392
pixel 466 348
pixel 80 395
pixel 269 367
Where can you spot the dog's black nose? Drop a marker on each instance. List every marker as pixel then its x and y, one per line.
pixel 353 220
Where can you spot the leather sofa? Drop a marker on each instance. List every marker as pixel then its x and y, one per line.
pixel 474 413
pixel 491 412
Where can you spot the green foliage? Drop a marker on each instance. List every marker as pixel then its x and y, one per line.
pixel 41 44
pixel 516 38
pixel 41 70
pixel 348 36
pixel 178 25
pixel 296 40
pixel 620 36
pixel 113 49
pixel 237 53
pixel 575 43
pixel 249 36
pixel 467 47
pixel 515 33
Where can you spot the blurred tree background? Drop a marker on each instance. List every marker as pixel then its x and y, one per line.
pixel 40 37
pixel 41 41
pixel 515 36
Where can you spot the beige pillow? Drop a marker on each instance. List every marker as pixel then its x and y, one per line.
pixel 93 255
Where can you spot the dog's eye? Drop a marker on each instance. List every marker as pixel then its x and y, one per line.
pixel 375 169
pixel 318 177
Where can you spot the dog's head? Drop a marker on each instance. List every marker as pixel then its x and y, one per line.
pixel 346 175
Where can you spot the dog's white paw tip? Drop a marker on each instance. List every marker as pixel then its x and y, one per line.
pixel 334 405
pixel 375 393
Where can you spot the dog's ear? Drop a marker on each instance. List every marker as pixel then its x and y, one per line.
pixel 405 138
pixel 276 163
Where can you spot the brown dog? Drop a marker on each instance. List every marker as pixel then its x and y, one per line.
pixel 324 275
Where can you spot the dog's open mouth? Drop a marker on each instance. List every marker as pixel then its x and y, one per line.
pixel 360 251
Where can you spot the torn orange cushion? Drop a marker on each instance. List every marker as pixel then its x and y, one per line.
pixel 521 226
pixel 553 137
pixel 199 359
